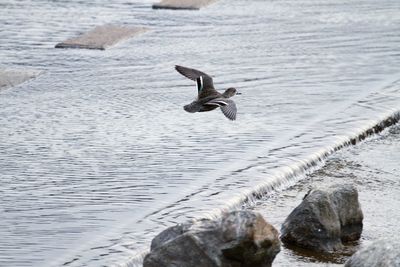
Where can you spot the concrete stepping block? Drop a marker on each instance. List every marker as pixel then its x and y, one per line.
pixel 13 77
pixel 102 37
pixel 182 4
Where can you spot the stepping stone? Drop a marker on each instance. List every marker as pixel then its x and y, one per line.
pixel 13 77
pixel 182 4
pixel 102 37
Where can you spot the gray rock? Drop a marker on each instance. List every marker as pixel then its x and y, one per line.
pixel 345 201
pixel 249 239
pixel 184 250
pixel 325 218
pixel 240 238
pixel 101 37
pixel 381 253
pixel 13 77
pixel 169 234
pixel 182 4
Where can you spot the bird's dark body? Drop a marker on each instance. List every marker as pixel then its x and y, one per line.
pixel 209 108
pixel 208 98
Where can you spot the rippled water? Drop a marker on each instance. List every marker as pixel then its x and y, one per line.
pixel 97 154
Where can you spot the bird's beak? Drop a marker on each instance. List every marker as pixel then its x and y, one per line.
pixel 238 93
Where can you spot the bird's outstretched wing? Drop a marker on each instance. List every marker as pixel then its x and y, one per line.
pixel 228 107
pixel 230 110
pixel 207 86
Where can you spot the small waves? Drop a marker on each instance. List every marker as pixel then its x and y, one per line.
pixel 97 154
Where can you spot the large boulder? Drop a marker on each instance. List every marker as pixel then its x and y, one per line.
pixel 248 239
pixel 239 238
pixel 325 218
pixel 381 253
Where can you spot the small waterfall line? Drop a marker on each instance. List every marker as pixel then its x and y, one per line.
pixel 287 176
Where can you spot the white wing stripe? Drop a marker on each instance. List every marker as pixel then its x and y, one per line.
pixel 219 102
pixel 229 110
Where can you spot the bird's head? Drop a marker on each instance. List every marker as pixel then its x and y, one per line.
pixel 230 92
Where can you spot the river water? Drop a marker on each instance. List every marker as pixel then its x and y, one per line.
pixel 373 167
pixel 97 154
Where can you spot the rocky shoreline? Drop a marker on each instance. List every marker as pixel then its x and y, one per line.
pixel 372 166
pixel 327 225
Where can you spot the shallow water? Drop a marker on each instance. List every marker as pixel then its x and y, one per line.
pixel 97 154
pixel 373 168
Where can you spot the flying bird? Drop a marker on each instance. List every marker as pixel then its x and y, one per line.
pixel 208 98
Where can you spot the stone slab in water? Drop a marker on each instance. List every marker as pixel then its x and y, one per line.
pixel 13 77
pixel 102 37
pixel 182 4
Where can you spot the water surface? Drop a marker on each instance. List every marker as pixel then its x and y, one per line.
pixel 373 168
pixel 97 154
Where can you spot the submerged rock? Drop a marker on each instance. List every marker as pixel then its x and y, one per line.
pixel 381 253
pixel 102 37
pixel 325 218
pixel 13 77
pixel 239 238
pixel 182 4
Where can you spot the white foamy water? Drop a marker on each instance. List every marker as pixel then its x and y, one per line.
pixel 97 154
